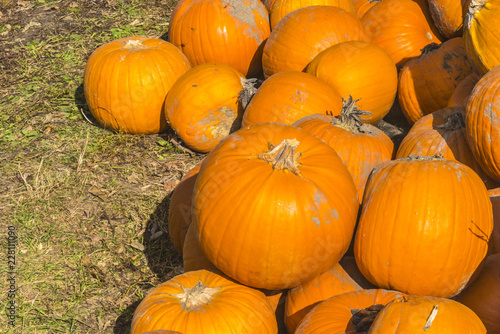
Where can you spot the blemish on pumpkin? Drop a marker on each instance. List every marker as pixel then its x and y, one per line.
pixel 245 17
pixel 316 221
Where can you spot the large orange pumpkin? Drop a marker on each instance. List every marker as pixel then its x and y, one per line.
pixel 283 7
pixel 424 227
pixel 448 16
pixel 206 303
pixel 427 82
pixel 481 30
pixel 424 314
pixel 305 32
pixel 204 105
pixel 362 70
pixel 288 96
pixel 399 27
pixel 179 209
pixel 274 206
pixel 126 81
pixel 483 295
pixel 350 312
pixel 442 132
pixel 482 122
pixel 360 146
pixel 232 32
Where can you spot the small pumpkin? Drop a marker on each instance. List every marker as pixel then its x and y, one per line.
pixel 425 314
pixel 126 81
pixel 427 82
pixel 483 295
pixel 351 312
pixel 204 302
pixel 461 93
pixel 442 132
pixel 305 32
pixel 400 27
pixel 360 146
pixel 481 30
pixel 179 209
pixel 363 70
pixel 266 211
pixel 482 122
pixel 283 7
pixel 288 96
pixel 301 299
pixel 424 226
pixel 448 16
pixel 204 105
pixel 232 32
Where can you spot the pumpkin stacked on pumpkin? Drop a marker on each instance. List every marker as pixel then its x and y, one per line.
pixel 304 215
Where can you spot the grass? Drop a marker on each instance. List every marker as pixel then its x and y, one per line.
pixel 84 200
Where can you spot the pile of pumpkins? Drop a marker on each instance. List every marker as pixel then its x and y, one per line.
pixel 304 217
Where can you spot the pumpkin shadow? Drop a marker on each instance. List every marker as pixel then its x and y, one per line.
pixel 83 107
pixel 123 322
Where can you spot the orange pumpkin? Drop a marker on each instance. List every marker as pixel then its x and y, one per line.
pixel 399 27
pixel 483 295
pixel 126 81
pixel 360 146
pixel 482 122
pixel 448 15
pixel 269 4
pixel 288 96
pixel 427 82
pixel 193 257
pixel 204 105
pixel 267 213
pixel 305 32
pixel 442 132
pixel 232 32
pixel 179 209
pixel 283 7
pixel 424 314
pixel 363 70
pixel 350 312
pixel 301 299
pixel 362 6
pixel 461 93
pixel 424 226
pixel 204 302
pixel 481 30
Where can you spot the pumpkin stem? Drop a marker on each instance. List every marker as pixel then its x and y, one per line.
pixel 474 7
pixel 134 44
pixel 453 122
pixel 248 91
pixel 350 116
pixel 196 296
pixel 431 318
pixel 283 156
pixel 429 48
pixel 363 319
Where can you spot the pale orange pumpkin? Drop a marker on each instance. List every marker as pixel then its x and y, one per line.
pixel 305 32
pixel 400 27
pixel 360 146
pixel 427 82
pixel 126 81
pixel 288 96
pixel 267 213
pixel 283 7
pixel 425 314
pixel 232 32
pixel 350 312
pixel 204 105
pixel 424 226
pixel 206 303
pixel 363 70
